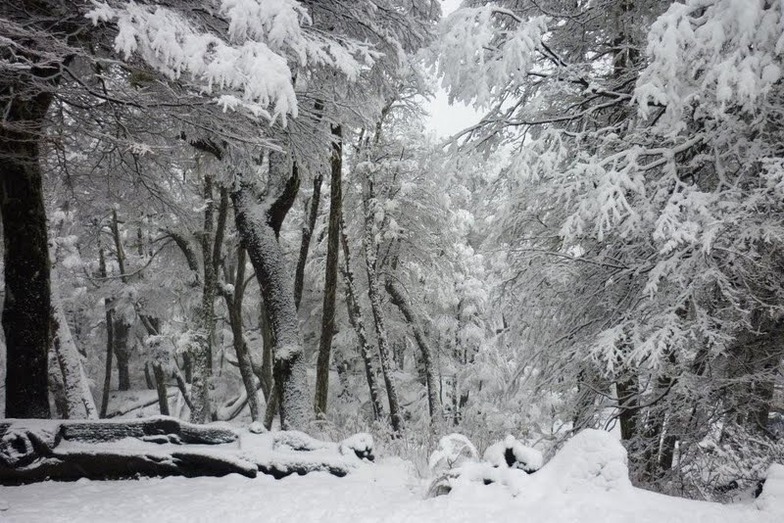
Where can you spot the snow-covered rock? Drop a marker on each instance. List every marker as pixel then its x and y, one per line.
pixel 359 445
pixel 592 459
pixel 513 454
pixel 257 427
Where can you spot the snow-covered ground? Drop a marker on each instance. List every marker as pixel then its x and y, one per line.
pixel 384 492
pixel 583 483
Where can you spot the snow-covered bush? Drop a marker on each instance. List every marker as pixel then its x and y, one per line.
pixel 591 460
pixel 725 466
pixel 453 451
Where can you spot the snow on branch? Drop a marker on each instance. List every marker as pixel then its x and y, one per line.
pixel 483 51
pixel 246 61
pixel 727 50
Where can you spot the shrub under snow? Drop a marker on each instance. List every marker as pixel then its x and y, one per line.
pixel 592 459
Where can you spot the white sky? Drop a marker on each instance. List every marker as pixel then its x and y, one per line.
pixel 445 119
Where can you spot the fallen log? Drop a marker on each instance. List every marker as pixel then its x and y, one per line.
pixel 181 431
pixel 35 450
pixel 68 450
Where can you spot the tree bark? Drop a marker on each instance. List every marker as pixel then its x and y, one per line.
pixel 331 274
pixel 147 377
pixel 121 326
pixel 378 315
pixel 259 238
pixel 399 300
pixel 358 323
pixel 160 387
pixel 265 376
pixel 628 398
pixel 234 306
pixel 27 305
pixel 152 326
pixel 79 399
pixel 107 377
pixel 202 356
pixel 307 234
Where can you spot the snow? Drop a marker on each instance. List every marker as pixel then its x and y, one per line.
pixel 453 450
pixel 585 481
pixel 591 460
pixel 387 492
pixel 527 458
pixel 772 497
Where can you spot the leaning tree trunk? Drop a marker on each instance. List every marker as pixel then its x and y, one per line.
pixel 399 300
pixel 26 310
pixel 244 362
pixel 79 399
pixel 374 295
pixel 358 323
pixel 153 328
pixel 259 238
pixel 331 274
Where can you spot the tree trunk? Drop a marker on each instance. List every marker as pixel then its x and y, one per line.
pixel 267 381
pixel 767 359
pixel 79 399
pixel 307 234
pixel 331 275
pixel 667 453
pixel 27 306
pixel 265 376
pixel 160 386
pixel 378 315
pixel 628 396
pixel 358 323
pixel 152 326
pixel 122 353
pixel 234 306
pixel 121 327
pixel 148 377
pixel 399 300
pixel 307 229
pixel 107 376
pixel 259 238
pixel 584 414
pixel 201 357
pixel 57 388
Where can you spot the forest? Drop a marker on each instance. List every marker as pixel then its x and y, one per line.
pixel 232 221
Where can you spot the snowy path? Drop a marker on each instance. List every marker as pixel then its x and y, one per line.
pixel 385 492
